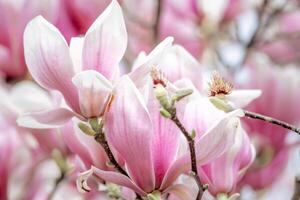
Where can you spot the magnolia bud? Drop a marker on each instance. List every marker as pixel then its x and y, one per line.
pixel 86 129
pixel 162 96
pixel 60 160
pixel 193 135
pixel 165 113
pixel 96 126
pixel 221 103
pixel 180 95
pixel 155 195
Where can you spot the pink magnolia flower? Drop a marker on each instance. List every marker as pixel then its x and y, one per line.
pixel 82 13
pixel 15 103
pixel 284 47
pixel 14 17
pixel 190 29
pixel 270 140
pixel 148 143
pixel 224 172
pixel 81 72
pixel 176 64
pixel 9 143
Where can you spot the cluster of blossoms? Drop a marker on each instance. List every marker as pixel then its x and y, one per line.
pixel 122 99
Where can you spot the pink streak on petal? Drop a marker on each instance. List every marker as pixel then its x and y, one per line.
pixel 130 132
pixel 48 59
pixel 105 41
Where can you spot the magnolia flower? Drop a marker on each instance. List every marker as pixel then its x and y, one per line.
pixel 81 72
pixel 55 66
pixel 284 47
pixel 15 103
pixel 9 143
pixel 223 173
pixel 14 17
pixel 195 22
pixel 177 63
pixel 84 12
pixel 148 142
pixel 270 141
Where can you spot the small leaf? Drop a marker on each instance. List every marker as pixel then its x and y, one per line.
pixel 86 129
pixel 165 113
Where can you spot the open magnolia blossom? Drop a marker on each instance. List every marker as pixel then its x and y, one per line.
pixel 272 151
pixel 14 17
pixel 222 179
pixel 149 145
pixel 149 99
pixel 83 73
pixel 224 97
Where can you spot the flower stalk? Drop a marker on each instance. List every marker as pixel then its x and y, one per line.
pixel 271 120
pixel 191 143
pixel 99 136
pixel 168 110
pixel 296 194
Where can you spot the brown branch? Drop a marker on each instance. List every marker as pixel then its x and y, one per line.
pixel 272 121
pixel 100 138
pixel 296 195
pixel 191 143
pixel 157 21
pixel 56 186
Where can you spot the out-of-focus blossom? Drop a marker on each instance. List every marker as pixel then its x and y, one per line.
pixel 82 13
pixel 15 103
pixel 176 63
pixel 279 88
pixel 81 72
pixel 283 47
pixel 14 17
pixel 148 142
pixel 192 28
pixel 223 173
pixel 9 144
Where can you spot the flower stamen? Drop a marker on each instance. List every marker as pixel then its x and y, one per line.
pixel 219 85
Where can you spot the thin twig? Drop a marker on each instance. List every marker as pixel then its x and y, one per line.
pixel 296 195
pixel 157 21
pixel 56 186
pixel 272 121
pixel 260 12
pixel 191 143
pixel 100 138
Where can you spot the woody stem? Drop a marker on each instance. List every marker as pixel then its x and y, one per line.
pixel 271 120
pixel 191 143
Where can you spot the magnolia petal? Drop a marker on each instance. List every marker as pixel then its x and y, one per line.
pixel 178 63
pixel 181 191
pixel 235 196
pixel 237 158
pixel 117 178
pixel 48 59
pixel 211 145
pixel 4 57
pixel 75 145
pixel 165 140
pixel 145 63
pixel 45 119
pixel 241 98
pixel 81 182
pixel 38 99
pixel 109 176
pixel 94 91
pixel 105 41
pixel 76 46
pixel 130 132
